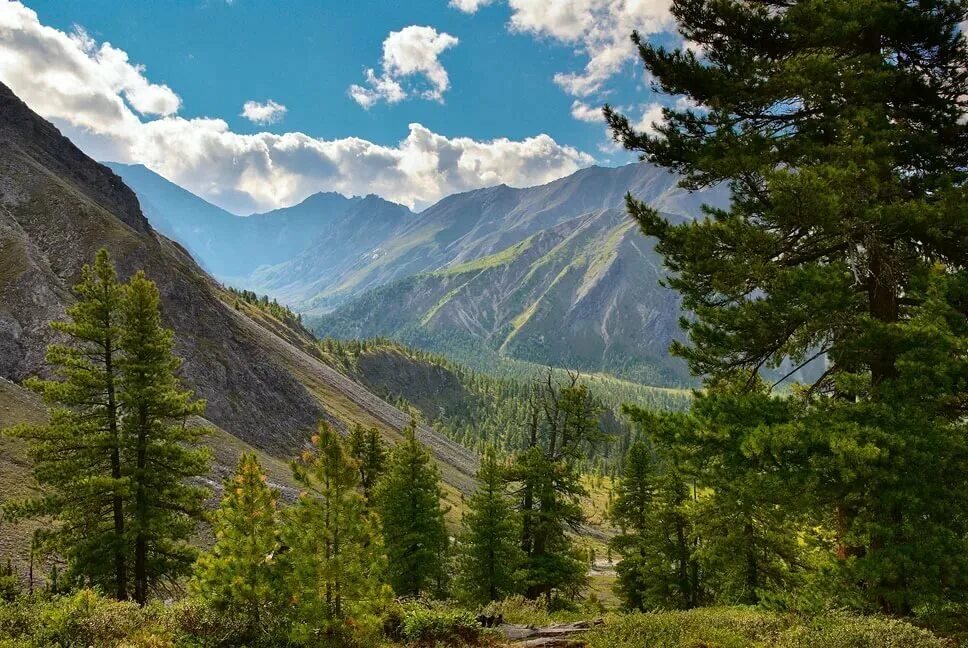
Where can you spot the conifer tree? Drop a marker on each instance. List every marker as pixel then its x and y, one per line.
pixel 335 557
pixel 408 498
pixel 239 574
pixel 77 455
pixel 633 509
pixel 656 512
pixel 489 556
pixel 369 450
pixel 839 128
pixel 562 425
pixel 160 452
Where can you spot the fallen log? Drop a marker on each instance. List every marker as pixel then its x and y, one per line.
pixel 560 635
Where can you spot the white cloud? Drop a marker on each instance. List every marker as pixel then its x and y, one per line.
pixel 114 68
pixel 597 29
pixel 469 6
pixel 66 79
pixel 651 114
pixel 377 88
pixel 269 112
pixel 408 54
pixel 583 112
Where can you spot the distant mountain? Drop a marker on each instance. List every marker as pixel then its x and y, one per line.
pixel 232 247
pixel 340 242
pixel 471 225
pixel 264 383
pixel 554 274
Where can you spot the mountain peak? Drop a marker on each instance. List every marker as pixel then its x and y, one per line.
pixel 22 128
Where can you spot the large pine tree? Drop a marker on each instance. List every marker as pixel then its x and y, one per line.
pixel 839 128
pixel 240 573
pixel 489 556
pixel 77 455
pixel 408 500
pixel 335 557
pixel 160 452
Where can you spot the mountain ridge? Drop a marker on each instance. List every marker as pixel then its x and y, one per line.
pixel 232 247
pixel 267 390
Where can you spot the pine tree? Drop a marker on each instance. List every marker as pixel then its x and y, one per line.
pixel 239 574
pixel 160 452
pixel 657 513
pixel 408 499
pixel 489 556
pixel 562 425
pixel 335 557
pixel 634 510
pixel 369 450
pixel 76 455
pixel 838 126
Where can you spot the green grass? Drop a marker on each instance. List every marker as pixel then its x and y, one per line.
pixel 504 257
pixel 747 627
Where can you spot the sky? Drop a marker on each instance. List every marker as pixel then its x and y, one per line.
pixel 256 104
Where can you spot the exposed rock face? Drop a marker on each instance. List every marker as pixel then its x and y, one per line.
pixel 57 207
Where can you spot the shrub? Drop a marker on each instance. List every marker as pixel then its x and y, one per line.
pixel 81 619
pixel 522 611
pixel 430 624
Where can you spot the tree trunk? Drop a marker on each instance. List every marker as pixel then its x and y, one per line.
pixel 117 503
pixel 141 508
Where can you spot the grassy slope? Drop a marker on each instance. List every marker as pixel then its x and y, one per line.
pixel 740 627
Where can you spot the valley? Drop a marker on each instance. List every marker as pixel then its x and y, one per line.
pixel 484 324
pixel 554 274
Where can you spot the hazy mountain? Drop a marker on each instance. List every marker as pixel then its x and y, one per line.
pixel 262 381
pixel 232 247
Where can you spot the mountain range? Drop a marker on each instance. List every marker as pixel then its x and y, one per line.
pixel 553 274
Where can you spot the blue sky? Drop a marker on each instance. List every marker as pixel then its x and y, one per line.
pixel 500 62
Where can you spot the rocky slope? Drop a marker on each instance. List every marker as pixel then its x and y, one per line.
pixel 475 224
pixel 582 293
pixel 57 207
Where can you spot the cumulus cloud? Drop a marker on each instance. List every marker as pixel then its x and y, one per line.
pixel 269 112
pixel 90 93
pixel 411 55
pixel 583 112
pixel 469 6
pixel 597 29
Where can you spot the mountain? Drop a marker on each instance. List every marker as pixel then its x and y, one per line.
pixel 264 384
pixel 232 247
pixel 553 274
pixel 582 293
pixel 468 226
pixel 343 241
